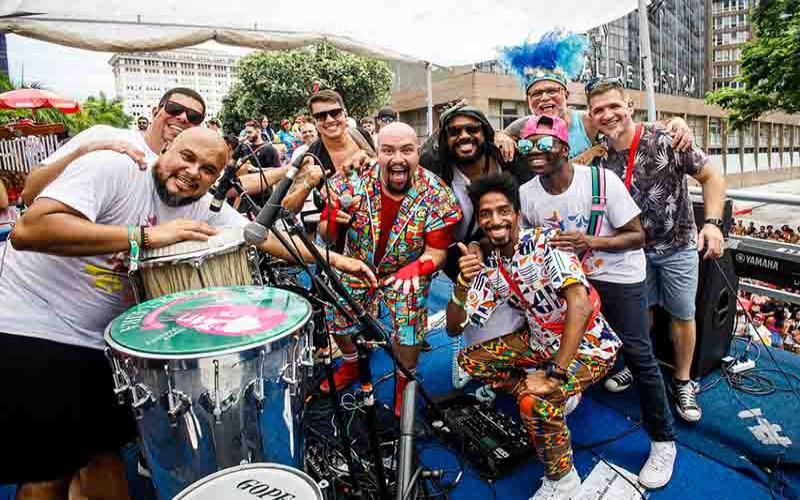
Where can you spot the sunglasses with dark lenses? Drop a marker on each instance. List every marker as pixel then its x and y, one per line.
pixel 471 129
pixel 597 81
pixel 542 145
pixel 323 115
pixel 193 116
pixel 386 119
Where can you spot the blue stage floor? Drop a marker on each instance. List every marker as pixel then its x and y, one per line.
pixel 713 454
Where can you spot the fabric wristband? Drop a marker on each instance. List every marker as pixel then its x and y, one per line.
pixel 455 300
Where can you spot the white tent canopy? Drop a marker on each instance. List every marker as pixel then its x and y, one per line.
pixel 443 32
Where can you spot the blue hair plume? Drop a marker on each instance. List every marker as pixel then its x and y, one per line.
pixel 558 55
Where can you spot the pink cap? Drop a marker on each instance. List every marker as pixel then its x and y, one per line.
pixel 546 125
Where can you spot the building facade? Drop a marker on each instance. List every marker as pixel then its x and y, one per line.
pixel 772 142
pixel 142 78
pixel 678 43
pixel 3 54
pixel 729 29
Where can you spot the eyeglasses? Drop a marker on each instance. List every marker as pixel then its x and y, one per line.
pixel 193 116
pixel 597 81
pixel 471 129
pixel 386 119
pixel 323 115
pixel 542 145
pixel 551 92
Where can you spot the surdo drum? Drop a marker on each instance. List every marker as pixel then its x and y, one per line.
pixel 247 482
pixel 214 378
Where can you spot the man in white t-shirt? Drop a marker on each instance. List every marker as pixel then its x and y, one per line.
pixel 610 243
pixel 64 280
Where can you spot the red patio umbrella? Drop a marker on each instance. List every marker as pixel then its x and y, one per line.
pixel 37 99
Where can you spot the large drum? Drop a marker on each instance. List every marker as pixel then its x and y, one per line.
pixel 222 260
pixel 214 378
pixel 254 481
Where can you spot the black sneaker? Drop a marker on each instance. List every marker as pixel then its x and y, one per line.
pixel 619 381
pixel 686 401
pixel 426 347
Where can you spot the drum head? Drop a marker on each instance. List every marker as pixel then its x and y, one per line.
pixel 207 321
pixel 250 481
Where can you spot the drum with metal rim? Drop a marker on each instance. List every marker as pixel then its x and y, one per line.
pixel 222 260
pixel 214 378
pixel 250 481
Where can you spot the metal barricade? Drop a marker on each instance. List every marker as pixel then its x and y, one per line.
pixel 21 154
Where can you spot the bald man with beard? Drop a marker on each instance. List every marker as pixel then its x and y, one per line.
pixel 401 220
pixel 65 279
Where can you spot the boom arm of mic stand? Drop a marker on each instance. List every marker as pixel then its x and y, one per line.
pixel 358 314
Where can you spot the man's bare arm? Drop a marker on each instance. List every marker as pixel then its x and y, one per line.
pixel 43 174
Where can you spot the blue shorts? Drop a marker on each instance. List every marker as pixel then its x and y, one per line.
pixel 672 282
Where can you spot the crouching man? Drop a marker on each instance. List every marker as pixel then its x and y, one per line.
pixel 563 338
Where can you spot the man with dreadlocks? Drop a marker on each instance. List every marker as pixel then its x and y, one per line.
pixel 544 68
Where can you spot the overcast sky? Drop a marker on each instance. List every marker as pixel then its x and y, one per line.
pixel 73 73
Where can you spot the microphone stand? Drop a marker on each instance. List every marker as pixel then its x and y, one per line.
pixel 370 334
pixel 322 287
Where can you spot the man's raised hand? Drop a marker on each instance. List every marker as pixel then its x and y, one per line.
pixel 470 263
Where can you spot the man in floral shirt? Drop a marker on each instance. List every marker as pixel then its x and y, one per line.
pixel 655 174
pixel 400 219
pixel 565 338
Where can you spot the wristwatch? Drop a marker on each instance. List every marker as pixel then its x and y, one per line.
pixel 714 221
pixel 552 370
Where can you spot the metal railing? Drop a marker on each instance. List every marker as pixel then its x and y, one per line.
pixel 741 195
pixel 21 154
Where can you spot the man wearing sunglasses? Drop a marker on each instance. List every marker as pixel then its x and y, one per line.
pixel 339 148
pixel 655 174
pixel 179 109
pixel 65 279
pixel 547 94
pixel 607 235
pixel 467 151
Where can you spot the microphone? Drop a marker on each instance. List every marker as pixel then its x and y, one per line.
pixel 223 186
pixel 256 232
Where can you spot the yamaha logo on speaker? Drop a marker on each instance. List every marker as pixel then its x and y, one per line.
pixel 755 260
pixel 263 490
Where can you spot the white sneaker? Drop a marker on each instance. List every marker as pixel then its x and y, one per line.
pixel 571 404
pixel 562 489
pixel 619 381
pixel 657 471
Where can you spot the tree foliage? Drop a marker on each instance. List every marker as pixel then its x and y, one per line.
pixel 770 65
pixel 98 110
pixel 277 84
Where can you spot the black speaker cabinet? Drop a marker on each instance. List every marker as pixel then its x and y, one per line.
pixel 716 311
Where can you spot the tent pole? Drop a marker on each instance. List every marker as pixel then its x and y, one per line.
pixel 647 60
pixel 429 88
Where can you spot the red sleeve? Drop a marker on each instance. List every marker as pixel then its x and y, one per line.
pixel 440 238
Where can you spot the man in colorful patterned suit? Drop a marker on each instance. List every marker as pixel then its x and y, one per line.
pixel 401 220
pixel 565 338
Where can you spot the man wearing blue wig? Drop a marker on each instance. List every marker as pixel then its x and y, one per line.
pixel 545 67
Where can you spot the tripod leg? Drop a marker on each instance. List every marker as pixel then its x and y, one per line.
pixel 322 340
pixel 365 377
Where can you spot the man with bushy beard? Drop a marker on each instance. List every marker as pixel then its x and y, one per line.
pixel 65 279
pixel 401 222
pixel 467 151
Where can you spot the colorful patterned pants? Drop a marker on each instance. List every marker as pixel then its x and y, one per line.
pixel 501 362
pixel 408 312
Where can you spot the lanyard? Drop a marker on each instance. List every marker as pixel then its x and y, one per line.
pixel 632 156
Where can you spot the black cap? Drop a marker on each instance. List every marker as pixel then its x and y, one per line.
pixel 386 111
